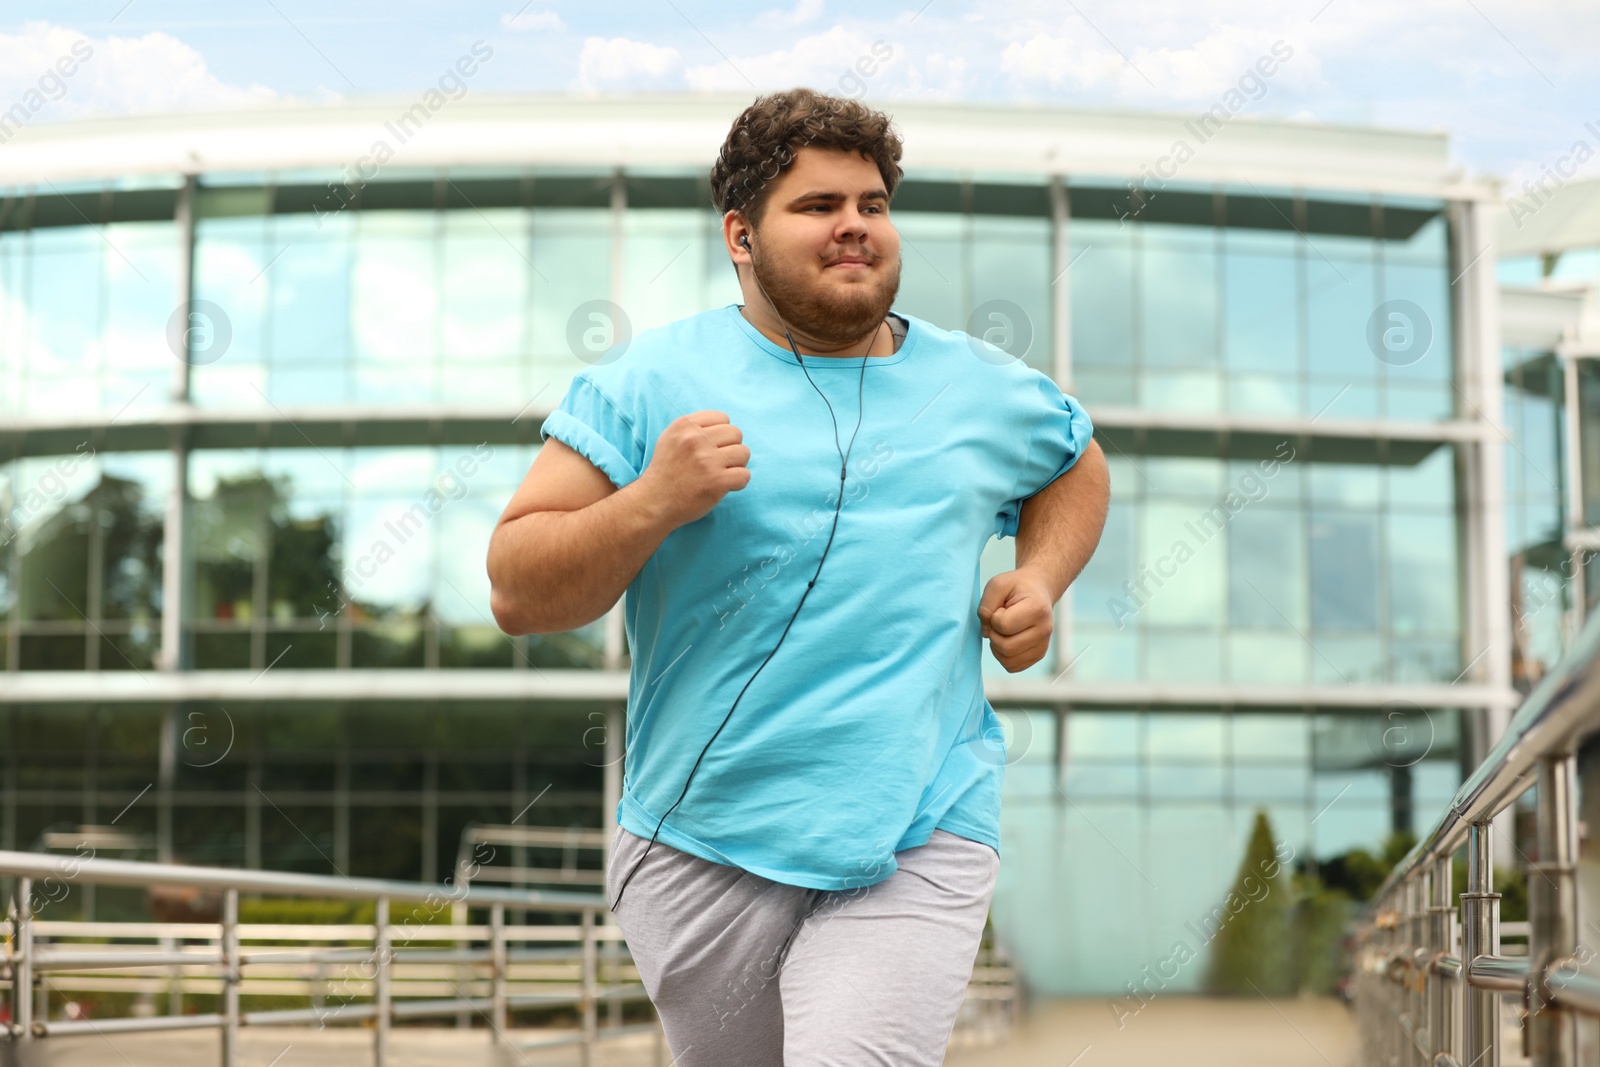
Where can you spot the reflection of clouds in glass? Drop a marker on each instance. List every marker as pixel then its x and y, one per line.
pixel 229 256
pixel 485 285
pixel 309 283
pixel 571 251
pixel 664 264
pixel 230 383
pixel 465 527
pixel 395 299
pixel 310 474
pixel 407 471
pixel 387 556
pixel 140 270
pixel 42 487
pixel 63 279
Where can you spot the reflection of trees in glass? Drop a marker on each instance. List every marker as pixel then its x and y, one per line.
pixel 87 565
pixel 253 557
pixel 247 521
pixel 133 538
pixel 109 525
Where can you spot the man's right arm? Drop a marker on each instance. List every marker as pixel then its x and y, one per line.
pixel 569 542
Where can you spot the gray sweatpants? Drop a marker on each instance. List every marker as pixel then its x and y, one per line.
pixel 748 972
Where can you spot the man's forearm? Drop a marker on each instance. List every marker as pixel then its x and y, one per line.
pixel 558 570
pixel 1060 525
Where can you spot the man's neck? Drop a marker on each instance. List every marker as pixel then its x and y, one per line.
pixel 882 343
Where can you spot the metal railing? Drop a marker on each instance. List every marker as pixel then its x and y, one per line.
pixel 1429 967
pixel 375 973
pixel 540 965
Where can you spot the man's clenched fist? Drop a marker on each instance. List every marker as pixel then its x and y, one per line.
pixel 699 459
pixel 1017 616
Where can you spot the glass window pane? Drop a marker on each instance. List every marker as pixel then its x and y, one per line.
pixel 1276 737
pixel 395 291
pixel 1186 735
pixel 309 322
pixel 1011 262
pixel 1103 734
pixel 1263 306
pixel 1267 575
pixel 1423 574
pixel 1178 295
pixel 1102 280
pixel 1344 571
pixel 663 265
pixel 933 285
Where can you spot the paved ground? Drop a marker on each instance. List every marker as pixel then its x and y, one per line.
pixel 1193 1031
pixel 270 1046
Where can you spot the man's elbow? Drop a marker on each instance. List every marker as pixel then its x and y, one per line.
pixel 504 608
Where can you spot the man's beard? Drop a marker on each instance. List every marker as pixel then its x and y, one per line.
pixel 833 317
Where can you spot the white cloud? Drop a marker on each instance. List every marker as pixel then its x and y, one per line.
pixel 621 63
pixel 121 75
pixel 527 21
pixel 1193 74
pixel 804 11
pixel 938 75
pixel 828 62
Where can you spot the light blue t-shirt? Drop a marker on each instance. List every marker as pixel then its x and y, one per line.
pixel 868 729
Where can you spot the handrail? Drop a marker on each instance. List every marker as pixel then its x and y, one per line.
pixel 140 873
pixel 1562 711
pixel 516 978
pixel 1407 1006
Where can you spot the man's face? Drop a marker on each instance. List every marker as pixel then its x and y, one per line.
pixel 825 253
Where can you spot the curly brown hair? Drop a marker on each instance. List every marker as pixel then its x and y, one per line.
pixel 768 134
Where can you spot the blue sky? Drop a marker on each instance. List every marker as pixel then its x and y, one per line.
pixel 1514 84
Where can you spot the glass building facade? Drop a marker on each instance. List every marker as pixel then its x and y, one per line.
pixel 1551 359
pixel 264 422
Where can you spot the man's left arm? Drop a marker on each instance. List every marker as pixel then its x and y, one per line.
pixel 1057 531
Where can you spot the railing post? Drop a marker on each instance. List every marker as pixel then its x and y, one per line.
pixel 22 963
pixel 174 980
pixel 1480 936
pixel 587 1001
pixel 381 955
pixel 497 969
pixel 1441 1021
pixel 230 978
pixel 1552 912
pixel 1417 955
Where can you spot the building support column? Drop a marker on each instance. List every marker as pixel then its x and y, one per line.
pixel 1486 579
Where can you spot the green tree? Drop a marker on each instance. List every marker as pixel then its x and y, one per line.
pixel 1251 951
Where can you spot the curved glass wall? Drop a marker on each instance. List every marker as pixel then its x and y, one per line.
pixel 83 318
pixel 1273 571
pixel 1155 809
pixel 360 557
pixel 447 295
pixel 468 291
pixel 1263 305
pixel 379 791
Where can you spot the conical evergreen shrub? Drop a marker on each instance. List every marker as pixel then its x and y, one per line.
pixel 1251 946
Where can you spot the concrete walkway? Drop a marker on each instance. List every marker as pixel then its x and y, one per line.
pixel 1193 1031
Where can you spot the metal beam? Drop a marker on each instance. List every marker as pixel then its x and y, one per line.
pixel 611 687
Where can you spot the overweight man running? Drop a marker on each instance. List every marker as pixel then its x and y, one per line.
pixel 793 493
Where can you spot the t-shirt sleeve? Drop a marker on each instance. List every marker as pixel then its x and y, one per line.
pixel 1061 431
pixel 590 424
